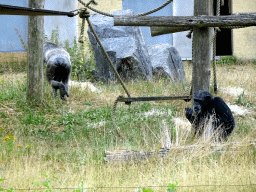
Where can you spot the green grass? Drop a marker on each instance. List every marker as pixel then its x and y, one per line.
pixel 66 140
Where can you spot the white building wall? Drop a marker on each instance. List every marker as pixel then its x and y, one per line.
pixel 67 26
pixel 180 41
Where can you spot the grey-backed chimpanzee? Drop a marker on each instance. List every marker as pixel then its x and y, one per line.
pixel 206 105
pixel 58 68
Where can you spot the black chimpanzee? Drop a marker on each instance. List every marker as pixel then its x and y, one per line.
pixel 206 105
pixel 58 68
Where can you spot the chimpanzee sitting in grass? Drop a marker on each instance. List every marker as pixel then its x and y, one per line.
pixel 205 105
pixel 58 68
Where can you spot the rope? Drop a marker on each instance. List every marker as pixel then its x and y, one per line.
pixel 117 75
pixel 112 15
pixel 213 41
pixel 81 38
pixel 190 87
pixel 113 116
pixel 216 29
pixel 155 10
pixel 107 57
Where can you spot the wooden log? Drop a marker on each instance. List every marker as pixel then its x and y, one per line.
pixel 125 155
pixel 243 19
pixel 155 31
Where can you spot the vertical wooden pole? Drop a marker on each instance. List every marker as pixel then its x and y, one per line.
pixel 202 48
pixel 35 55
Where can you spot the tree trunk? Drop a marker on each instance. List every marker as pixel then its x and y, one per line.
pixel 202 48
pixel 35 55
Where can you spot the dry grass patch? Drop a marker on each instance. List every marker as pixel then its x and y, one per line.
pixel 66 140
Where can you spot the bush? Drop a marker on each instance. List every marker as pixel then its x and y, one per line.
pixel 227 60
pixel 82 59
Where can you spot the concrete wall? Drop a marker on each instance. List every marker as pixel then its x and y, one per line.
pixel 148 5
pixel 180 41
pixel 244 39
pixel 67 25
pixel 10 45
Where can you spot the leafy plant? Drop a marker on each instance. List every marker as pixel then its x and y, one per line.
pixel 8 143
pixel 81 188
pixel 46 183
pixel 172 187
pixel 23 43
pixel 8 190
pixel 145 190
pixel 227 60
pixel 241 100
pixel 55 37
pixel 83 61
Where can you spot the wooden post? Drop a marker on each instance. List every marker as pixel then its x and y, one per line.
pixel 35 55
pixel 202 47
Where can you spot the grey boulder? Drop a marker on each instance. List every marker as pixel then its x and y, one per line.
pixel 125 46
pixel 166 62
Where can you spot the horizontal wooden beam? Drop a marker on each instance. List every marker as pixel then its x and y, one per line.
pixel 15 10
pixel 243 19
pixel 155 31
pixel 157 98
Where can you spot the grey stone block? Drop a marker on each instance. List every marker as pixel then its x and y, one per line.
pixel 166 62
pixel 125 46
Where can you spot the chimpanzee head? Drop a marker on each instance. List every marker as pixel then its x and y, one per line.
pixel 202 99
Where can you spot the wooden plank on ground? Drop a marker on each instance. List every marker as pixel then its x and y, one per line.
pixel 126 155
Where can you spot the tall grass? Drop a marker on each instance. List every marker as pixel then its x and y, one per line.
pixel 65 141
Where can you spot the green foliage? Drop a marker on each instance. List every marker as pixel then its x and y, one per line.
pixel 13 65
pixel 23 43
pixel 145 190
pixel 46 183
pixel 81 188
pixel 8 190
pixel 55 37
pixel 241 100
pixel 83 61
pixel 172 187
pixel 13 90
pixel 227 60
pixel 34 118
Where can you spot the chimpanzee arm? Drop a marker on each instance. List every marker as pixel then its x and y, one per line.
pixel 189 114
pixel 222 110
